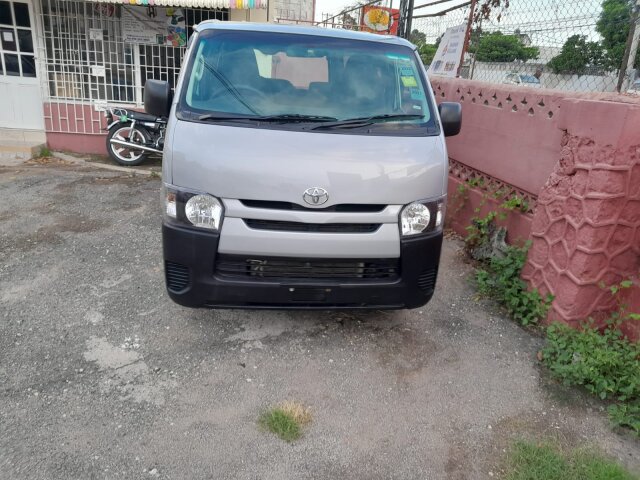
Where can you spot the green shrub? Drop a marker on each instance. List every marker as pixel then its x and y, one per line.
pixel 500 279
pixel 605 363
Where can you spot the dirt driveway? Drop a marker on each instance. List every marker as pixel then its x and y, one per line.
pixel 102 376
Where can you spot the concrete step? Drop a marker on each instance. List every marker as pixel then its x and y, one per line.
pixel 16 146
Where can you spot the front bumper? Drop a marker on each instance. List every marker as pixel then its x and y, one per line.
pixel 190 258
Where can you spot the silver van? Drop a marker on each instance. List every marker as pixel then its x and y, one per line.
pixel 303 168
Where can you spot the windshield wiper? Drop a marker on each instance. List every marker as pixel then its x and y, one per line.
pixel 228 86
pixel 219 116
pixel 285 118
pixel 364 121
pixel 297 117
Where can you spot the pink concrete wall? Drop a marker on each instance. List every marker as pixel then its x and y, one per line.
pixel 578 157
pixel 586 230
pixel 77 143
pixel 462 209
pixel 72 118
pixel 75 128
pixel 508 133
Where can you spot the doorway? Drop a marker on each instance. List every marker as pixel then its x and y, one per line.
pixel 20 95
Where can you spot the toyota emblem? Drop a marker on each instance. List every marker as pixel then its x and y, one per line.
pixel 315 196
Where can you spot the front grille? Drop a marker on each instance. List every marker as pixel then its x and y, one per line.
pixel 427 280
pixel 280 226
pixel 177 276
pixel 343 207
pixel 294 268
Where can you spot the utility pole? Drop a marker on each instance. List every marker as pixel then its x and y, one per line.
pixel 467 37
pixel 475 54
pixel 632 47
pixel 406 17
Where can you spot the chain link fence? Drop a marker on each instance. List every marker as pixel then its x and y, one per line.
pixel 377 16
pixel 576 45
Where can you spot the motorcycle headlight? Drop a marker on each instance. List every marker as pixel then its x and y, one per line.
pixel 192 209
pixel 422 217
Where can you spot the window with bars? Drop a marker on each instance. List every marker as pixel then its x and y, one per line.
pixel 87 60
pixel 16 40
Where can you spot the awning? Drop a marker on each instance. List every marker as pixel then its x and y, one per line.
pixel 239 4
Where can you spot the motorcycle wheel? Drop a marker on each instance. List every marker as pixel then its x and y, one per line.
pixel 127 156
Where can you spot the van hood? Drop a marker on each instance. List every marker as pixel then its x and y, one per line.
pixel 277 165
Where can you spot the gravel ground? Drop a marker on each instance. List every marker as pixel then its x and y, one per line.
pixel 102 376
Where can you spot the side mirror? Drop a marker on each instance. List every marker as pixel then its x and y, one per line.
pixel 451 118
pixel 157 98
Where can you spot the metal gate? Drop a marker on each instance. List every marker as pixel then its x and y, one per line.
pixel 87 65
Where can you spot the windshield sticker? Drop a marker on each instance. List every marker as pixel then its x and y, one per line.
pixel 416 94
pixel 392 56
pixel 407 71
pixel 409 81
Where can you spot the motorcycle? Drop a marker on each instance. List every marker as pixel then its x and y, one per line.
pixel 133 136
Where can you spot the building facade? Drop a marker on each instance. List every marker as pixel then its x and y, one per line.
pixel 62 62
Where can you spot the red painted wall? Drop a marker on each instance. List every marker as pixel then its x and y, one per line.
pixel 578 157
pixel 508 133
pixel 77 143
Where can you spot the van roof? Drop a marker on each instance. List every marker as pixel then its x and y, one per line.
pixel 298 30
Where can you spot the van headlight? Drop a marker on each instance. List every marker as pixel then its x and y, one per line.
pixel 422 217
pixel 204 211
pixel 191 208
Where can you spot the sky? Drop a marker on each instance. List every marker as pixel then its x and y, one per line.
pixel 547 22
pixel 329 6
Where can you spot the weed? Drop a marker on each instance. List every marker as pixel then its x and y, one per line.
pixel 286 420
pixel 459 199
pixel 622 313
pixel 476 182
pixel 515 203
pixel 626 415
pixel 155 174
pixel 500 279
pixel 545 461
pixel 44 152
pixel 478 231
pixel 297 411
pixel 605 363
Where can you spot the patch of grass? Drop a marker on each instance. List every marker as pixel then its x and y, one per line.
pixel 544 461
pixel 286 420
pixel 44 152
pixel 297 411
pixel 605 363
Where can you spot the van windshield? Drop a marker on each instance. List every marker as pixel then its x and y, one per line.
pixel 290 80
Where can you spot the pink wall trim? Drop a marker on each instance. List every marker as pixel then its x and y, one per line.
pixel 72 118
pixel 77 143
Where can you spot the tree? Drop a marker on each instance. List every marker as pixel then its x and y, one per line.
pixel 427 52
pixel 497 47
pixel 487 7
pixel 474 38
pixel 576 55
pixel 614 24
pixel 417 37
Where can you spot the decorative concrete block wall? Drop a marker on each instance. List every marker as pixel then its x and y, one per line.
pixel 576 159
pixel 586 229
